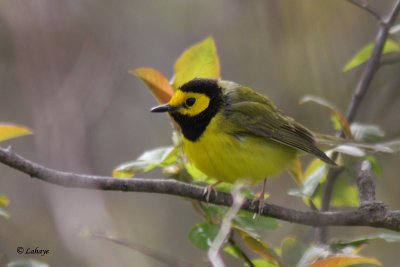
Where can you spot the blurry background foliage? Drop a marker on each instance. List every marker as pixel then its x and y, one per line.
pixel 64 72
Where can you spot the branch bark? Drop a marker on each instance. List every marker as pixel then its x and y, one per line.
pixel 373 215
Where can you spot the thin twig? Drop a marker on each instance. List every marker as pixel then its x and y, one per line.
pixel 375 216
pixel 367 8
pixel 238 250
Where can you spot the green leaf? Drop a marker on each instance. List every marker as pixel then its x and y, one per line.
pixel 246 220
pixel 27 263
pixel 366 132
pixel 340 118
pixel 262 263
pixel 365 53
pixel 213 212
pixel 202 235
pixel 231 250
pixel 199 61
pixel 10 131
pixel 315 173
pixel 344 194
pixel 257 245
pixel 375 166
pixel 156 82
pixel 159 157
pixel 358 242
pixel 336 123
pixel 292 250
pixel 227 188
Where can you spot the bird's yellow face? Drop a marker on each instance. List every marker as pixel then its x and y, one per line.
pixel 193 106
pixel 189 103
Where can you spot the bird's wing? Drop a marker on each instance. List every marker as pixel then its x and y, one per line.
pixel 255 114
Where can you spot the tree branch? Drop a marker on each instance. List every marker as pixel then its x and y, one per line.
pixel 374 215
pixel 365 184
pixel 367 8
pixel 373 62
pixel 363 84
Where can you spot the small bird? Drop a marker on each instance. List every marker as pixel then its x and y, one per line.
pixel 231 132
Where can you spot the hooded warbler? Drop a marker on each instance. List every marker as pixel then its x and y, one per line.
pixel 231 132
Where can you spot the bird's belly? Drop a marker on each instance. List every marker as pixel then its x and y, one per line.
pixel 228 158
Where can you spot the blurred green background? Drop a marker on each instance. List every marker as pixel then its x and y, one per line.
pixel 64 73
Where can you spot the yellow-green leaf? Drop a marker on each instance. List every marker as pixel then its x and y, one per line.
pixel 10 131
pixel 262 263
pixel 156 81
pixel 315 173
pixel 4 201
pixel 342 261
pixel 296 171
pixel 345 126
pixel 199 61
pixel 365 53
pixel 258 246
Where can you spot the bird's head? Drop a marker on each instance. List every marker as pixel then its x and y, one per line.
pixel 192 98
pixel 193 106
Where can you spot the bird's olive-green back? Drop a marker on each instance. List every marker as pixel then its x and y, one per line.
pixel 251 113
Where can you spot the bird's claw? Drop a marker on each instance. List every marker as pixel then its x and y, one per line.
pixel 208 190
pixel 260 203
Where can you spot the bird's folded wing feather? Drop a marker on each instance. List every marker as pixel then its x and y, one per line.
pixel 261 118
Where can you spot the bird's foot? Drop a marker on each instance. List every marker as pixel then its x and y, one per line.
pixel 210 189
pixel 259 201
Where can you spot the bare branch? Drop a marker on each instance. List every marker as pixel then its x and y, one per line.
pixel 365 184
pixel 362 86
pixel 373 63
pixel 391 60
pixel 367 8
pixel 375 215
pixel 333 174
pixel 239 251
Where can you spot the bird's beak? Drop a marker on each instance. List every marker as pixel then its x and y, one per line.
pixel 165 108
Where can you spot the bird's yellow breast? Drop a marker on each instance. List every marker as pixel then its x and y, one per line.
pixel 228 157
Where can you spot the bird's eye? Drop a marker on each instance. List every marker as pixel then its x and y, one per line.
pixel 190 101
